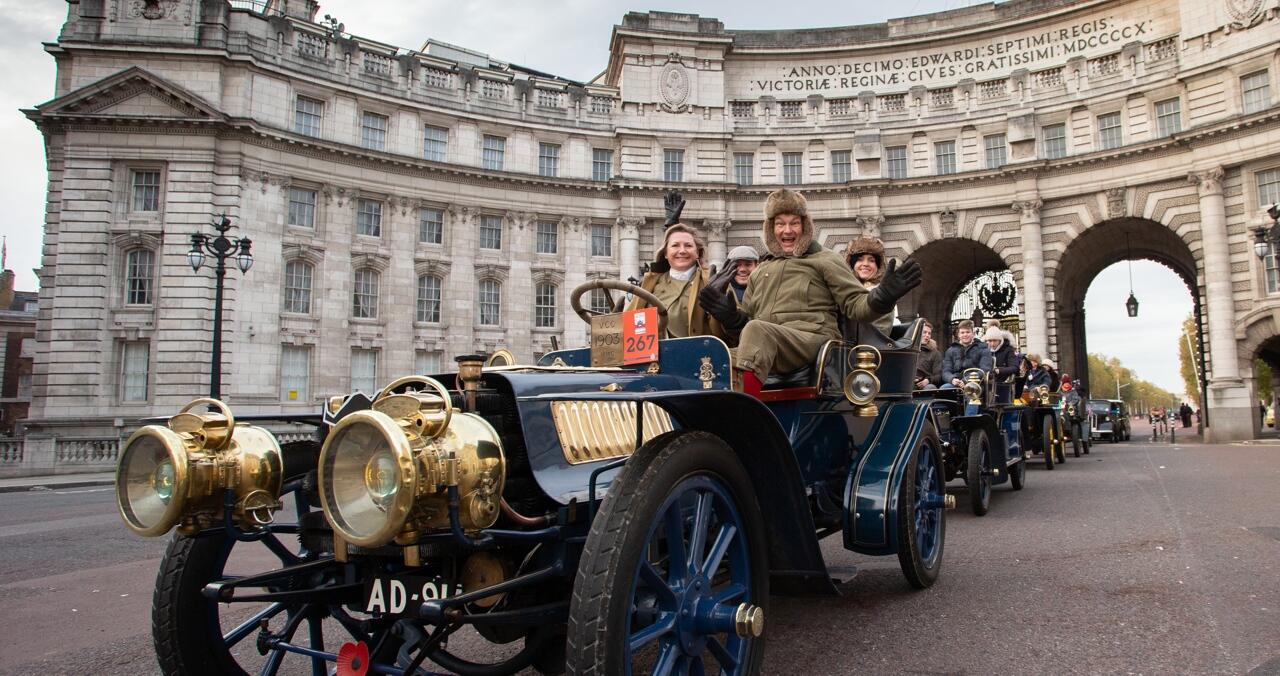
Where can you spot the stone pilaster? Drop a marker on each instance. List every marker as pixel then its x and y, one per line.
pixel 1033 298
pixel 716 233
pixel 629 246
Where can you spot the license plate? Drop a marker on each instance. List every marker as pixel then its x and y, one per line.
pixel 403 595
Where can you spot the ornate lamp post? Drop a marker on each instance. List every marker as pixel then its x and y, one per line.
pixel 1266 240
pixel 221 248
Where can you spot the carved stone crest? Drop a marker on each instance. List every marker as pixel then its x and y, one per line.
pixel 152 9
pixel 947 221
pixel 673 85
pixel 1115 203
pixel 1244 13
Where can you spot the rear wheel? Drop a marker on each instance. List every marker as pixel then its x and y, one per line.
pixel 978 474
pixel 922 525
pixel 1076 443
pixel 1018 474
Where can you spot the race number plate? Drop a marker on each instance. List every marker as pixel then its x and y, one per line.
pixel 402 596
pixel 640 336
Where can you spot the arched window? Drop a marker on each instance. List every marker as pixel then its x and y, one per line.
pixel 429 299
pixel 297 287
pixel 544 305
pixel 364 303
pixel 139 275
pixel 490 302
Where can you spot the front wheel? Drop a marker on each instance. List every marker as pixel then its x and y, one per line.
pixel 978 474
pixel 1018 475
pixel 922 525
pixel 1076 444
pixel 673 577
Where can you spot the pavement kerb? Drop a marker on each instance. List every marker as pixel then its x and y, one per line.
pixel 51 483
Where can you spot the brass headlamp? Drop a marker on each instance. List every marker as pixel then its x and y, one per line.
pixel 179 473
pixel 973 385
pixel 385 472
pixel 861 384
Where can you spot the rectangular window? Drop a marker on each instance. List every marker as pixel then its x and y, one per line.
pixel 1055 141
pixel 302 207
pixel 548 160
pixel 295 372
pixel 435 142
pixel 792 168
pixel 307 114
pixel 1256 90
pixel 364 370
pixel 369 218
pixel 490 232
pixel 429 299
pixel 944 157
pixel 1268 187
pixel 135 364
pixel 600 302
pixel 431 226
pixel 426 362
pixel 601 240
pixel 895 162
pixel 139 275
pixel 544 306
pixel 548 235
pixel 743 168
pixel 1110 134
pixel 601 164
pixel 373 131
pixel 297 287
pixel 490 302
pixel 995 150
pixel 1168 117
pixel 494 154
pixel 673 166
pixel 841 165
pixel 146 190
pixel 364 301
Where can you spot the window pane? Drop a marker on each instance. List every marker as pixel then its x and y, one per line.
pixel 1256 89
pixel 490 232
pixel 306 116
pixel 146 190
pixel 841 165
pixel 297 287
pixel 1109 131
pixel 295 373
pixel 601 240
pixel 365 296
pixel 490 302
pixel 1055 141
pixel 895 162
pixel 437 141
pixel 373 131
pixel 792 168
pixel 139 276
pixel 302 207
pixel 1268 187
pixel 369 218
pixel 495 148
pixel 426 362
pixel 548 159
pixel 744 168
pixel 134 364
pixel 544 306
pixel 364 370
pixel 431 226
pixel 944 155
pixel 673 166
pixel 1273 275
pixel 548 234
pixel 601 164
pixel 429 299
pixel 1168 117
pixel 995 150
pixel 600 302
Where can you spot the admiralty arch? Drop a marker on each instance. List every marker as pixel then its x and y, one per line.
pixel 409 205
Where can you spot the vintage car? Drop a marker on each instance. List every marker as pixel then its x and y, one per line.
pixel 1043 428
pixel 1108 419
pixel 981 432
pixel 612 509
pixel 1075 423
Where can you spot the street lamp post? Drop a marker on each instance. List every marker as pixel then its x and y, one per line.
pixel 221 248
pixel 1266 239
pixel 1118 386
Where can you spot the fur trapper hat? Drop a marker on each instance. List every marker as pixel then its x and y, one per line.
pixel 784 201
pixel 866 245
pixel 660 263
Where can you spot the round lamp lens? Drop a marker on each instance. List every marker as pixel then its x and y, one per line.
pixel 162 480
pixel 362 480
pixel 145 485
pixel 380 478
pixel 864 386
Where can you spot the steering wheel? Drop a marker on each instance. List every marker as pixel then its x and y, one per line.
pixel 575 299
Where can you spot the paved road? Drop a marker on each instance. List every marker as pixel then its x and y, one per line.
pixel 1135 559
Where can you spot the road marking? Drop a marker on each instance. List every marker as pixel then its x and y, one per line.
pixel 84 490
pixel 58 524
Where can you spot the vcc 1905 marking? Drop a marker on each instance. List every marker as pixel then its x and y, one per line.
pixel 403 595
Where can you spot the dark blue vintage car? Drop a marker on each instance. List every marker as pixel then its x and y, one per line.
pixel 576 514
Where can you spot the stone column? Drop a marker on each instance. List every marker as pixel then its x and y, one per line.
pixel 629 247
pixel 1230 406
pixel 716 231
pixel 1033 277
pixel 575 236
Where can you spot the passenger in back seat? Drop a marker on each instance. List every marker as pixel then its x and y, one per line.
pixel 796 295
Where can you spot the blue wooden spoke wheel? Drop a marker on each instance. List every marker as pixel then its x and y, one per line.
pixel 673 578
pixel 978 472
pixel 922 522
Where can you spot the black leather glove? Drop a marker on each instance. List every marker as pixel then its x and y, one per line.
pixel 723 306
pixel 898 281
pixel 720 280
pixel 674 204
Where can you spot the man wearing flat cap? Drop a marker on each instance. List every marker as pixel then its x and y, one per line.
pixel 743 261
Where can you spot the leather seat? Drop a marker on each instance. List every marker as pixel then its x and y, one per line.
pixel 801 377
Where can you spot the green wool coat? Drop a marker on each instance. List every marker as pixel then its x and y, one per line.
pixel 808 292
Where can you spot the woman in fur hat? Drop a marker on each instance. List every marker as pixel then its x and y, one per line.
pixel 797 294
pixel 865 256
pixel 675 277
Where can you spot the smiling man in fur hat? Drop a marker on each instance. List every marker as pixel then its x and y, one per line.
pixel 797 294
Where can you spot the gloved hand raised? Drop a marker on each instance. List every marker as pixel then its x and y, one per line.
pixel 674 204
pixel 898 281
pixel 720 280
pixel 723 306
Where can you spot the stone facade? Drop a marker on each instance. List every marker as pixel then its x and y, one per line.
pixel 1031 136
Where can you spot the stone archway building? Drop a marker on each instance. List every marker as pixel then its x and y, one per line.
pixel 458 198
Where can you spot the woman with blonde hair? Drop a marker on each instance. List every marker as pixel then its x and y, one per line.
pixel 676 276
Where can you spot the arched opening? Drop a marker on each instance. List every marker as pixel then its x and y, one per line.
pixel 1261 347
pixel 949 265
pixel 989 295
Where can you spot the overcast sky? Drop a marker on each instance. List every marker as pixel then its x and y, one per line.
pixel 569 38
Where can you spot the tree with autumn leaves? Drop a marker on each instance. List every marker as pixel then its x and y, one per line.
pixel 1189 346
pixel 1140 395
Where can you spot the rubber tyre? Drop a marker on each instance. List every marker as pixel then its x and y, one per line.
pixel 1046 443
pixel 1018 475
pixel 607 571
pixel 1076 444
pixel 181 624
pixel 1060 451
pixel 921 568
pixel 978 473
